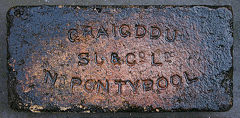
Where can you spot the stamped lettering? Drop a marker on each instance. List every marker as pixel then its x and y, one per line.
pixel 125 30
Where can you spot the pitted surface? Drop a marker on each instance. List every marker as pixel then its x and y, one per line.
pixel 131 58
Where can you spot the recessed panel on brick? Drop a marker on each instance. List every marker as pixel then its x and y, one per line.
pixel 120 58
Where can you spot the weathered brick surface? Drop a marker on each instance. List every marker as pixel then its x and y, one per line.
pixel 120 58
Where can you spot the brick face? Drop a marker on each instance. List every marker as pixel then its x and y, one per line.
pixel 120 58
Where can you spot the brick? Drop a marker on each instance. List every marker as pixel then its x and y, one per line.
pixel 120 58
